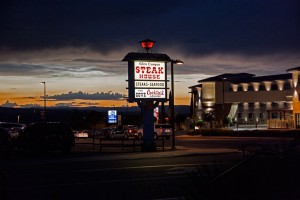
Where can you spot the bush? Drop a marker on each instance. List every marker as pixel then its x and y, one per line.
pixel 200 123
pixel 227 121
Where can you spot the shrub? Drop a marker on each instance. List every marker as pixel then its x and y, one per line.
pixel 200 123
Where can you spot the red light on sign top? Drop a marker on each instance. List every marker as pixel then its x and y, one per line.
pixel 147 44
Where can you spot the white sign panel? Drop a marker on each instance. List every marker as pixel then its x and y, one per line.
pixel 144 70
pixel 150 93
pixel 149 84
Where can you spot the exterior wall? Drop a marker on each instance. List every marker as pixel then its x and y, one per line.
pixel 219 92
pixel 296 113
pixel 257 107
pixel 263 102
pixel 296 102
pixel 259 96
pixel 209 92
pixel 262 112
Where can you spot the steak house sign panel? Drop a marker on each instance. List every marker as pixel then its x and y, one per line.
pixel 150 80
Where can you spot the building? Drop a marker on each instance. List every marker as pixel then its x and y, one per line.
pixel 248 99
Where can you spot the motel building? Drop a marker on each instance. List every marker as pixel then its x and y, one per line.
pixel 271 101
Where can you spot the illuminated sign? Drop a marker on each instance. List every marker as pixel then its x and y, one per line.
pixel 149 70
pixel 147 77
pixel 149 80
pixel 149 84
pixel 112 116
pixel 150 93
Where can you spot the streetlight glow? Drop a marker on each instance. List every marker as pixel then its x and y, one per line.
pixel 178 62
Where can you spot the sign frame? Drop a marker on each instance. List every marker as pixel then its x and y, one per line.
pixel 147 80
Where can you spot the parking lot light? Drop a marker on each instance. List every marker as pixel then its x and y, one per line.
pixel 179 62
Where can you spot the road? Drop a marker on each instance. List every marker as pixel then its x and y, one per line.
pixel 122 175
pixel 198 141
pixel 114 179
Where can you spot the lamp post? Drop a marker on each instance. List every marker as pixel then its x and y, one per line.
pixel 223 102
pixel 44 83
pixel 179 62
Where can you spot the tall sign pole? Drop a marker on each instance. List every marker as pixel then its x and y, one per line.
pixel 147 85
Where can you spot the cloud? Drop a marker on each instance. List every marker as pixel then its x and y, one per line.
pixel 80 39
pixel 64 105
pixel 30 106
pixel 195 27
pixel 88 104
pixel 77 44
pixel 8 104
pixel 215 64
pixel 65 62
pixel 86 96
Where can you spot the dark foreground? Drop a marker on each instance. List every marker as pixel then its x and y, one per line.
pixel 261 169
pixel 267 174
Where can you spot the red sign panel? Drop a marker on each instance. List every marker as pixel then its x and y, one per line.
pixel 149 70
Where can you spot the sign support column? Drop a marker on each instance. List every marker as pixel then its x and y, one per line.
pixel 147 83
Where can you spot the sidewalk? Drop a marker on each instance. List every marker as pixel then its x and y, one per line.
pixel 168 152
pixel 89 156
pixel 180 151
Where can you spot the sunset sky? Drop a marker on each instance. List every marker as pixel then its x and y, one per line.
pixel 77 46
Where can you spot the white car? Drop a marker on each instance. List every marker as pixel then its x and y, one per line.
pixel 81 134
pixel 163 130
pixel 160 130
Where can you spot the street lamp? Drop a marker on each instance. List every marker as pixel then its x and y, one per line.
pixel 179 62
pixel 223 102
pixel 44 99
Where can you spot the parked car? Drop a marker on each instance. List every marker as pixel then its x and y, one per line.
pixel 83 134
pixel 97 132
pixel 133 131
pixel 125 131
pixel 119 132
pixel 160 130
pixel 141 131
pixel 46 136
pixel 163 130
pixel 5 143
pixel 13 128
pixel 107 132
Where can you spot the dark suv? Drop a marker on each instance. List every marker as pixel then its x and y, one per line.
pixel 47 136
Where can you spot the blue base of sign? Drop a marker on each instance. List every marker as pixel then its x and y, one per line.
pixel 148 125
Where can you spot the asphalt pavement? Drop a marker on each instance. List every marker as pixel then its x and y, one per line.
pixel 179 151
pixel 274 178
pixel 168 152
